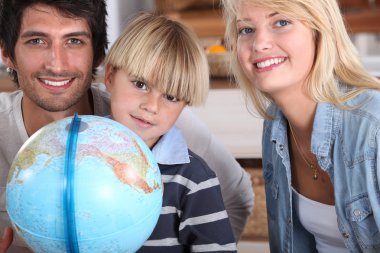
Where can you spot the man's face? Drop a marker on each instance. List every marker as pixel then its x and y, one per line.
pixel 53 58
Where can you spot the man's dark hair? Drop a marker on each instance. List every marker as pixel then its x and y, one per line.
pixel 93 11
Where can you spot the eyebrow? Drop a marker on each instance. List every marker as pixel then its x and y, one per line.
pixel 273 14
pixel 42 34
pixel 268 16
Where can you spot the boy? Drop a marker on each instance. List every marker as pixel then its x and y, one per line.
pixel 153 71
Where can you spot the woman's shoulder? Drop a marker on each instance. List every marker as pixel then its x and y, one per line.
pixel 366 105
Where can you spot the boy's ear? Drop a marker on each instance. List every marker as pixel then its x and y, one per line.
pixel 108 77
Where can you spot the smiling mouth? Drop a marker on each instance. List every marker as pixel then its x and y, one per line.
pixel 55 83
pixel 269 62
pixel 142 121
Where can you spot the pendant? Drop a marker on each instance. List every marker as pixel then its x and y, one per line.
pixel 315 171
pixel 315 176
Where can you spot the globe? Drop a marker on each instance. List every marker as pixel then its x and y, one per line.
pixel 84 184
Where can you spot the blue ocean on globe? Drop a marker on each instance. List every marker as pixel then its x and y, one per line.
pixel 107 198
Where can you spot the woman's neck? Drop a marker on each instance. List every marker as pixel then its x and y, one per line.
pixel 299 110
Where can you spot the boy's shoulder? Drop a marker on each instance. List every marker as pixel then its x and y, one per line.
pixel 196 170
pixel 199 166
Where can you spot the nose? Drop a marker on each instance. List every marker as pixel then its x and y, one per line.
pixel 262 41
pixel 57 59
pixel 151 102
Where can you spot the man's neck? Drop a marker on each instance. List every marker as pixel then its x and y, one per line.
pixel 35 117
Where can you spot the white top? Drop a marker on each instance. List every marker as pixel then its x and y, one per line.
pixel 321 221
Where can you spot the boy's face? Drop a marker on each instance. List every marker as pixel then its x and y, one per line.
pixel 140 106
pixel 53 58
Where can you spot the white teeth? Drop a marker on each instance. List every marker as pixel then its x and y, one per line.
pixel 56 83
pixel 269 62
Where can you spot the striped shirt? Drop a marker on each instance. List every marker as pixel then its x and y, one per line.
pixel 193 217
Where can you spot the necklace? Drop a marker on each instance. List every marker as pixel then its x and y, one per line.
pixel 313 167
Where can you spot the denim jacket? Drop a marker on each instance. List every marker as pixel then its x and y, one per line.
pixel 346 144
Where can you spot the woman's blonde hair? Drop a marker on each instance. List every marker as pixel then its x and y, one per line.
pixel 336 58
pixel 165 54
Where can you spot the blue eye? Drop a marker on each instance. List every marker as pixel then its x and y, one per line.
pixel 246 30
pixel 282 23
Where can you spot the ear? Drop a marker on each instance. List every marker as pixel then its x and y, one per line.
pixel 7 61
pixel 108 77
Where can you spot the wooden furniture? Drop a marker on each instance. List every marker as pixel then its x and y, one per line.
pixel 347 5
pixel 366 21
pixel 206 23
pixel 360 16
pixel 180 5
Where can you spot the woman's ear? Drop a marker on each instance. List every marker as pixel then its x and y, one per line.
pixel 108 77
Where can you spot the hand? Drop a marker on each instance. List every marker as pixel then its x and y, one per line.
pixel 7 239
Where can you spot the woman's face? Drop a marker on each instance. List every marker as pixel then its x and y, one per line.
pixel 276 53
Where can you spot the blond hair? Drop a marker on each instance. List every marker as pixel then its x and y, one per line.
pixel 165 54
pixel 336 58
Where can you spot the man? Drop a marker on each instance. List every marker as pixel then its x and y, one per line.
pixel 52 49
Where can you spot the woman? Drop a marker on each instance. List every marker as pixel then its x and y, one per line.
pixel 296 63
